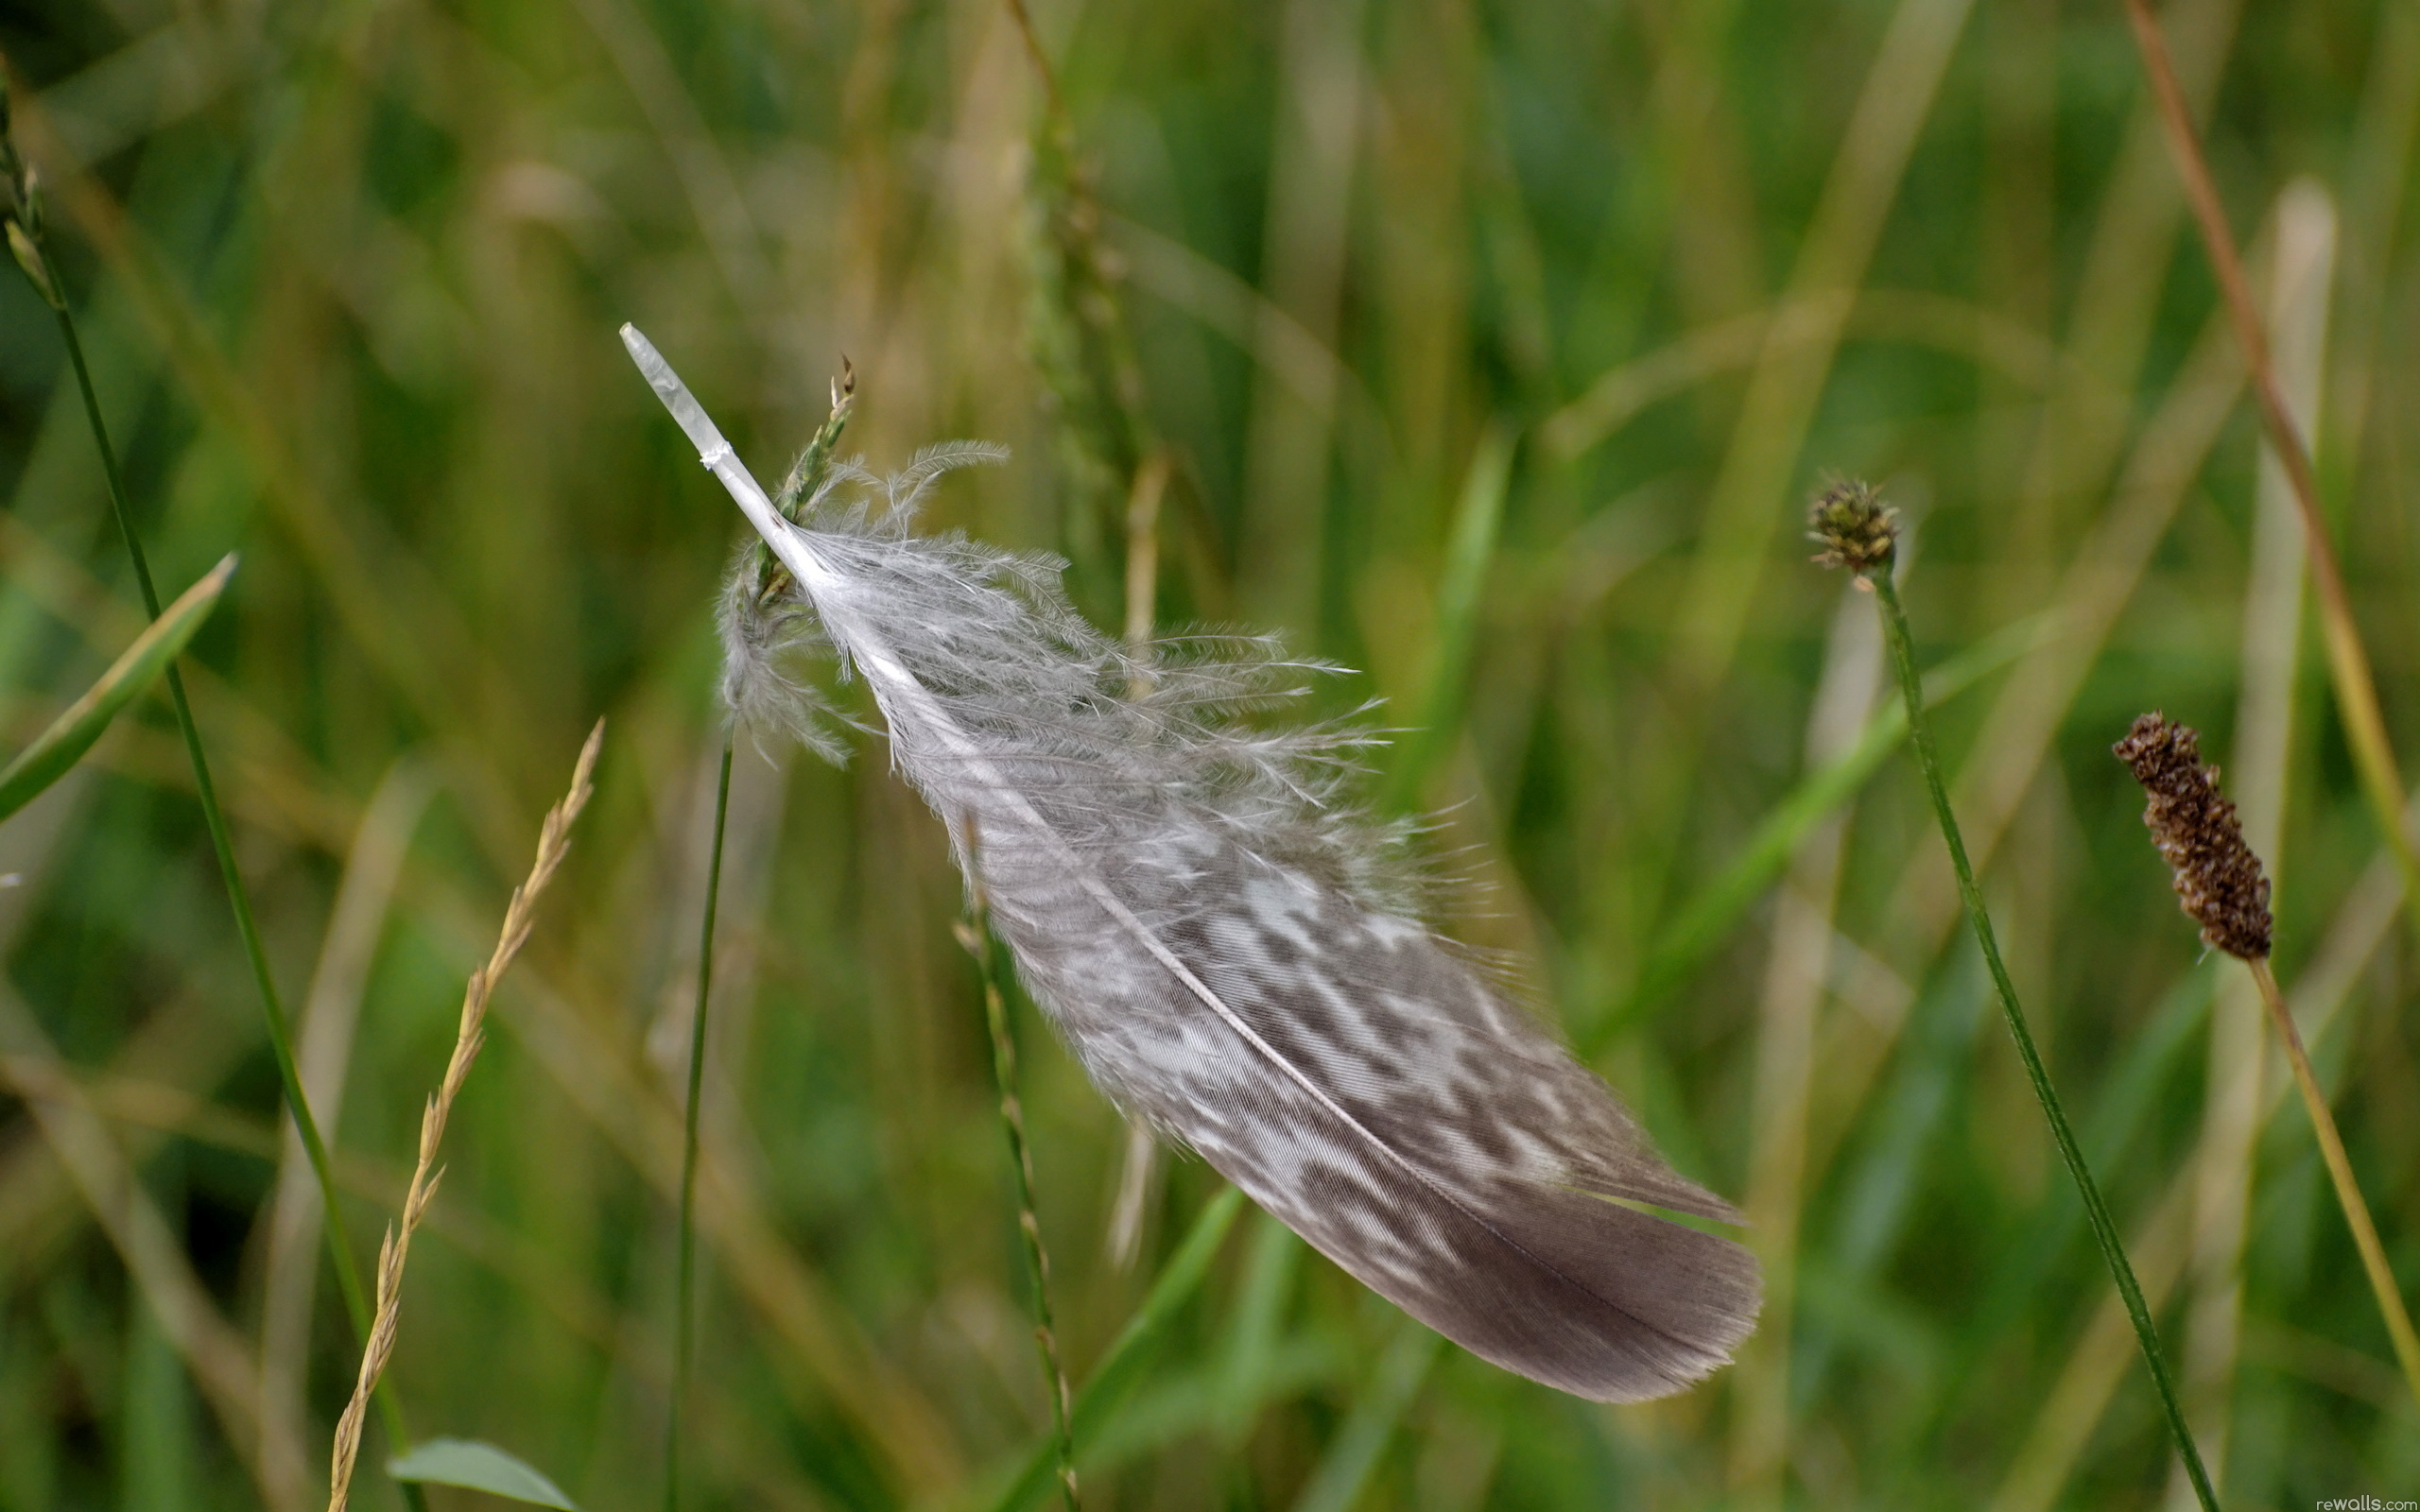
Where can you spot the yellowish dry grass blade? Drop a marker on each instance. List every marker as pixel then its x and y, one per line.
pixel 553 841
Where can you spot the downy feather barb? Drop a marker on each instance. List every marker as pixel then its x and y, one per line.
pixel 1233 951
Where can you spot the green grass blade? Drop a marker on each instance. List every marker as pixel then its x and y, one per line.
pixel 1353 1456
pixel 685 1288
pixel 1097 1404
pixel 1461 594
pixel 1708 918
pixel 1271 1256
pixel 481 1468
pixel 281 1038
pixel 57 749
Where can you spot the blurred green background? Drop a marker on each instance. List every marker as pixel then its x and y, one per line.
pixel 350 275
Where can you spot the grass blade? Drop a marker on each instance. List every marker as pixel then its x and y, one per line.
pixel 481 1468
pixel 2348 661
pixel 26 244
pixel 1460 590
pixel 1352 1457
pixel 684 1290
pixel 57 749
pixel 1701 925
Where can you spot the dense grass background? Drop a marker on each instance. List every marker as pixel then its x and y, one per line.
pixel 350 275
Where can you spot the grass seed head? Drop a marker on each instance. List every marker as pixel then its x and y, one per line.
pixel 21 216
pixel 1855 527
pixel 2218 880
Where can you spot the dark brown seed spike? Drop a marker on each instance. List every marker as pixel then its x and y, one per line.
pixel 2219 881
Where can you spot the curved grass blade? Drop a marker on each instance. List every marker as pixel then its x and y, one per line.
pixel 1709 916
pixel 466 1462
pixel 57 749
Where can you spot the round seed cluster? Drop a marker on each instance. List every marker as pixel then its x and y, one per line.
pixel 1855 527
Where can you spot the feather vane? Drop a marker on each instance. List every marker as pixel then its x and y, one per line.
pixel 1234 953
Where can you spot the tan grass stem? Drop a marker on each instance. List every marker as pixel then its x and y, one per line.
pixel 2221 886
pixel 217 1357
pixel 1041 61
pixel 322 1054
pixel 2339 1171
pixel 2072 1411
pixel 2348 662
pixel 2302 265
pixel 1322 91
pixel 1139 1172
pixel 554 839
pixel 1143 547
pixel 1777 412
pixel 1797 968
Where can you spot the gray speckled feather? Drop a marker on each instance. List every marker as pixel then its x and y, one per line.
pixel 1229 950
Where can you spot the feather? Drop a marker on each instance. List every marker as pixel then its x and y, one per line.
pixel 1232 950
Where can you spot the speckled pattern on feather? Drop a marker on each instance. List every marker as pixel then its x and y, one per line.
pixel 1230 948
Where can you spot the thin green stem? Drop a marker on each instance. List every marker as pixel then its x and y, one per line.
pixel 1903 662
pixel 685 1291
pixel 357 1300
pixel 977 937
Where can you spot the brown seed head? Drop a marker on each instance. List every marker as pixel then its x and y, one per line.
pixel 2218 880
pixel 1855 527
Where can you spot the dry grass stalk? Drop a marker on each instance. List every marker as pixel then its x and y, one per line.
pixel 554 839
pixel 1138 1178
pixel 1798 968
pixel 2348 661
pixel 2339 1171
pixel 2073 1412
pixel 2301 280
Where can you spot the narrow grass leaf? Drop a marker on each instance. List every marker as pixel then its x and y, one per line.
pixel 1271 1259
pixel 1460 593
pixel 57 749
pixel 1353 1456
pixel 1709 916
pixel 684 1292
pixel 466 1462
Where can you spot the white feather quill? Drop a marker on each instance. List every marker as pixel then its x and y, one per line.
pixel 1229 950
